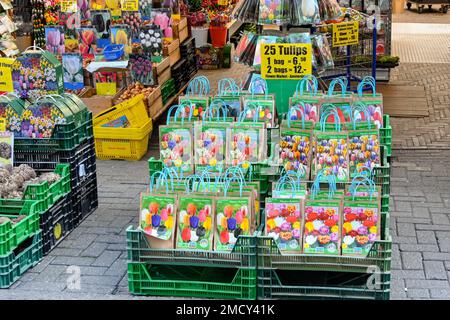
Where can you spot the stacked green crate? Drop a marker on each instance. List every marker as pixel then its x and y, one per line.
pixel 191 273
pixel 386 135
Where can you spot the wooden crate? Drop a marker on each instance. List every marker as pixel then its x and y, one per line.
pixel 180 30
pixel 161 71
pixel 155 107
pixel 173 51
pixel 95 103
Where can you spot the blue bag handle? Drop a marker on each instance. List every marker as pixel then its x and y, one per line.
pixel 360 107
pixel 331 179
pixel 222 87
pixel 252 85
pixel 362 180
pixel 324 117
pixel 342 81
pixel 289 114
pixel 169 113
pixel 308 82
pixel 368 80
pixel 228 182
pixel 209 112
pixel 162 177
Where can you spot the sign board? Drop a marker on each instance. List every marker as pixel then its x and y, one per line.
pixel 69 6
pixel 6 75
pixel 345 34
pixel 130 5
pixel 288 61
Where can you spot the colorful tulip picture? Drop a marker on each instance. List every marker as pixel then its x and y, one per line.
pixel 73 71
pixel 331 155
pixel 364 151
pixel 194 224
pixel 264 110
pixel 360 227
pixel 54 39
pixel 175 147
pixel 210 146
pixel 321 227
pixel 283 223
pixel 233 219
pixel 294 152
pixel 157 216
pixel 87 40
pixel 244 146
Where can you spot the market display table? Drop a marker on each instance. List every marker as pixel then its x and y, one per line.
pixel 420 4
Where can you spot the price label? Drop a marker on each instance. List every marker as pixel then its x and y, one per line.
pixel 69 6
pixel 6 75
pixel 2 124
pixel 345 34
pixel 286 61
pixel 130 5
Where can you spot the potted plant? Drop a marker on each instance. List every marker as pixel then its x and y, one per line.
pixel 218 29
pixel 199 28
pixel 385 61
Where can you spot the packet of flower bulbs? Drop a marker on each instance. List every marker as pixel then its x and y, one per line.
pixel 73 71
pixel 229 94
pixel 307 98
pixel 260 111
pixel 198 103
pixel 141 69
pixel 6 149
pixel 341 102
pixel 175 147
pixel 87 41
pixel 372 101
pixel 364 150
pixel 195 223
pixel 121 34
pixel 331 150
pixel 11 109
pixel 233 219
pixel 322 52
pixel 283 222
pixel 360 227
pixel 246 143
pixel 321 232
pixel 249 192
pixel 158 218
pixel 151 39
pixel 273 12
pixel 210 146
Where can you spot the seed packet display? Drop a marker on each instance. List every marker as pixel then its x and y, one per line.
pixel 71 21
pixel 360 227
pixel 321 228
pixel 101 20
pixel 210 146
pixel 133 20
pixel 73 71
pixel 283 223
pixel 295 150
pixel 233 219
pixel 162 18
pixel 246 143
pixel 195 222
pixel 121 34
pixel 264 108
pixel 175 147
pixel 364 150
pixel 151 39
pixel 141 69
pixel 273 11
pixel 54 39
pixel 322 52
pixel 199 104
pixel 331 155
pixel 157 219
pixel 87 40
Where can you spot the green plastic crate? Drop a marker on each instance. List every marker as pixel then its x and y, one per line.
pixel 385 203
pixel 386 135
pixel 14 265
pixel 279 284
pixel 53 192
pixel 154 166
pixel 12 235
pixel 174 281
pixel 212 274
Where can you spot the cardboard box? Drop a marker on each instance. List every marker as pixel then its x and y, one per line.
pixel 95 103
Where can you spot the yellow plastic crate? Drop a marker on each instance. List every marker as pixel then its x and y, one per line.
pixel 122 143
pixel 133 109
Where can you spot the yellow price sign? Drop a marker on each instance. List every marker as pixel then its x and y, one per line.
pixel 69 6
pixel 6 75
pixel 345 34
pixel 2 124
pixel 130 5
pixel 286 61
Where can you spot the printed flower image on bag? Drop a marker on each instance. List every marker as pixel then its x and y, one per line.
pixel 244 146
pixel 210 146
pixel 157 217
pixel 87 40
pixel 38 121
pixel 73 71
pixel 283 223
pixel 295 149
pixel 265 110
pixel 364 151
pixel 233 220
pixel 360 228
pixel 176 148
pixel 195 223
pixel 10 115
pixel 199 105
pixel 54 39
pixel 375 112
pixel 121 34
pixel 331 155
pixel 310 109
pixel 321 231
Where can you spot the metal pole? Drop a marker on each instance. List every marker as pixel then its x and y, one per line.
pixel 374 50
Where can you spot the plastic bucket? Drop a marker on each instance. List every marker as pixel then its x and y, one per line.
pixel 201 36
pixel 218 36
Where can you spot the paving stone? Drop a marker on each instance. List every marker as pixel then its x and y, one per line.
pixel 440 256
pixel 403 206
pixel 408 274
pixel 440 293
pixel 106 258
pixel 65 252
pixel 421 212
pixel 108 238
pixel 42 286
pixel 398 289
pixel 100 280
pixel 42 265
pixel 88 288
pixel 411 260
pixel 406 230
pixel 117 246
pixel 51 273
pixel 426 237
pixel 119 267
pixel 73 261
pixel 93 271
pixel 435 270
pixel 419 247
pixel 418 293
pixel 440 219
pixel 94 250
pixel 427 284
pixel 444 245
pixel 396 262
